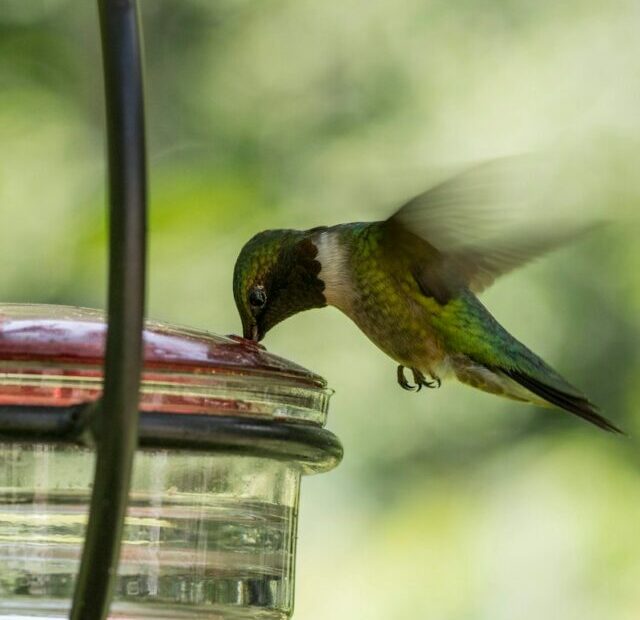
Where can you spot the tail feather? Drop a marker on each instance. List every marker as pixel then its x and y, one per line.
pixel 573 403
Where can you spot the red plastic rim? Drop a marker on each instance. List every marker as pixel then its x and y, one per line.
pixel 52 356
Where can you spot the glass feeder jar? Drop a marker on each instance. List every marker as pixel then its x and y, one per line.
pixel 226 432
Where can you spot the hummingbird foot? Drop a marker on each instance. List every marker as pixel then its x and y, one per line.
pixel 419 379
pixel 404 384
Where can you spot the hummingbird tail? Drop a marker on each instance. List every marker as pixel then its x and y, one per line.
pixel 573 403
pixel 523 386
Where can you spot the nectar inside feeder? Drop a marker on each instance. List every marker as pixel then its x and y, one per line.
pixel 226 432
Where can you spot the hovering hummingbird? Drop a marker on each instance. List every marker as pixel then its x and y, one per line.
pixel 410 283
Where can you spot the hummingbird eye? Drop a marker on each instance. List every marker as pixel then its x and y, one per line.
pixel 257 298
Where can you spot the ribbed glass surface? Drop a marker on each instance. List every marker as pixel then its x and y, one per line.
pixel 205 536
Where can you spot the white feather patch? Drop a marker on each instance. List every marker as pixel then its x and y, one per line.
pixel 333 258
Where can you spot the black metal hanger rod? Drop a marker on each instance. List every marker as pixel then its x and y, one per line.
pixel 117 412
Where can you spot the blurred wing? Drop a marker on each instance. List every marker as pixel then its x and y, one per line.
pixel 462 209
pixel 460 221
pixel 481 265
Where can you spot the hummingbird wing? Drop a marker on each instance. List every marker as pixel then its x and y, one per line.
pixel 459 222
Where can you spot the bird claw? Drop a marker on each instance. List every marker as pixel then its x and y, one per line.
pixel 419 379
pixel 404 384
pixel 422 380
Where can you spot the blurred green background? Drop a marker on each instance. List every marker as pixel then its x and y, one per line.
pixel 450 504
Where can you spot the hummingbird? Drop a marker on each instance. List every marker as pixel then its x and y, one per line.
pixel 410 283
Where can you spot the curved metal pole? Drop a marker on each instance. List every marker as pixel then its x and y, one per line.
pixel 117 414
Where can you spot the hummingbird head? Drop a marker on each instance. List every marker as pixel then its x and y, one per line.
pixel 275 277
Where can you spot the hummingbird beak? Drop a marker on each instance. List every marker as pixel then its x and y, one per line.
pixel 251 332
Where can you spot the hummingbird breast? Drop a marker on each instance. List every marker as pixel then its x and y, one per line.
pixel 380 295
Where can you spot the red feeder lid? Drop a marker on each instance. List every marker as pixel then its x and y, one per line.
pixel 53 356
